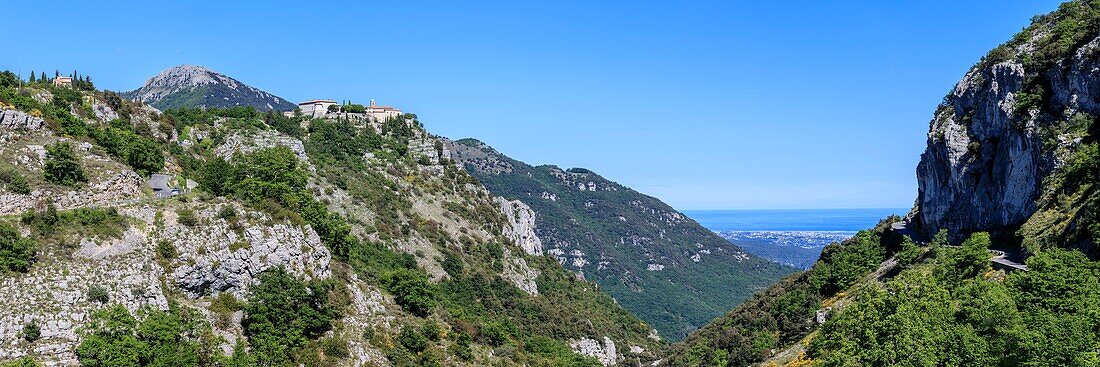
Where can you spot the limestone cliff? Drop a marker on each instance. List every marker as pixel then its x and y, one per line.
pixel 999 142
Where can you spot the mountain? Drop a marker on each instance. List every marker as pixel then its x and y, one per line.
pixel 196 86
pixel 1010 175
pixel 354 242
pixel 658 263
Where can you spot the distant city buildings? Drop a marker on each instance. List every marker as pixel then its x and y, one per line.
pixel 316 107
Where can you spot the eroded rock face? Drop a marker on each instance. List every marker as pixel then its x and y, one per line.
pixel 253 141
pixel 986 158
pixel 521 225
pixel 17 120
pixel 114 189
pixel 606 352
pixel 227 260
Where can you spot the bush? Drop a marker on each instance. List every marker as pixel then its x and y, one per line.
pixel 98 294
pixel 412 340
pixel 14 181
pixel 16 252
pixel 62 166
pixel 166 251
pixel 411 290
pixel 26 361
pixel 187 217
pixel 283 314
pixel 31 331
pixel 115 338
pixel 970 260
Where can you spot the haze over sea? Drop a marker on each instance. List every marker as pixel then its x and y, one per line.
pixel 793 237
pixel 850 220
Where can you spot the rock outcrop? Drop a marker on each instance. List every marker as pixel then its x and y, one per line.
pixel 18 120
pixel 1000 134
pixel 228 260
pixel 605 353
pixel 521 225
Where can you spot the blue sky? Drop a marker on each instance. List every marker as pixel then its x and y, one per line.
pixel 707 105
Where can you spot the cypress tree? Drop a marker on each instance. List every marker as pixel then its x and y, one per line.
pixel 31 80
pixel 43 78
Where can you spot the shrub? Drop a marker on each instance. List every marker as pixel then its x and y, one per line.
pixel 284 313
pixel 31 331
pixel 116 338
pixel 187 217
pixel 26 361
pixel 223 306
pixel 166 251
pixel 227 212
pixel 98 294
pixel 970 260
pixel 16 252
pixel 62 166
pixel 412 340
pixel 14 181
pixel 411 290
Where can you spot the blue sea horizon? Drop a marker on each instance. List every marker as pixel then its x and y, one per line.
pixel 817 220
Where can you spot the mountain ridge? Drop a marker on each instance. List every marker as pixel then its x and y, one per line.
pixel 657 262
pixel 197 86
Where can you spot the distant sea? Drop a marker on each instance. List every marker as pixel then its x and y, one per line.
pixel 792 237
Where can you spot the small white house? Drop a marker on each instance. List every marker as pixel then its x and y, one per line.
pixel 316 107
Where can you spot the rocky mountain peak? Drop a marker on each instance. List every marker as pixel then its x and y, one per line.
pixel 197 86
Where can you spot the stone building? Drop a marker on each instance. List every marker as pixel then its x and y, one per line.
pixel 316 107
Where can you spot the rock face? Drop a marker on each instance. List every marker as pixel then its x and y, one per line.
pixel 991 146
pixel 17 120
pixel 196 86
pixel 253 141
pixel 521 228
pixel 606 353
pixel 227 260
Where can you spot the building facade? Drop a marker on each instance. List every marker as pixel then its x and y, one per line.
pixel 381 113
pixel 316 107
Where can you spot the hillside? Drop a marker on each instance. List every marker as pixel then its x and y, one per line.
pixel 656 262
pixel 196 86
pixel 350 242
pixel 1011 164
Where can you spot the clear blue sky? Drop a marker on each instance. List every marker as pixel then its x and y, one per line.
pixel 707 105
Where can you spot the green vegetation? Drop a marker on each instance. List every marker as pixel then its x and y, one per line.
pixel 62 165
pixel 31 331
pixel 676 300
pixel 16 251
pixel 21 362
pixel 949 312
pixel 174 338
pixel 14 181
pixel 784 313
pixel 98 294
pixel 141 153
pixel 284 313
pixel 52 224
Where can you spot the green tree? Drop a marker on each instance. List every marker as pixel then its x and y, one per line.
pixel 217 176
pixel 411 290
pixel 283 313
pixel 16 252
pixel 969 260
pixel 62 165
